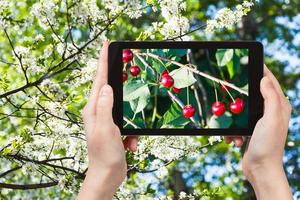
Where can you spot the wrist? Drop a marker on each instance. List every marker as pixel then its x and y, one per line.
pixel 102 179
pixel 261 173
pixel 98 184
pixel 269 182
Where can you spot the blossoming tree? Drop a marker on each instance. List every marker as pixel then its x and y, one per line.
pixel 48 59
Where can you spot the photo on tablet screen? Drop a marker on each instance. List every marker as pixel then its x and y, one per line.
pixel 185 88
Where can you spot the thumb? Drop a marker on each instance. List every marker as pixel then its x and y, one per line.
pixel 271 98
pixel 104 105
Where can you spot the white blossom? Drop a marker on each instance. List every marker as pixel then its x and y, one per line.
pixel 213 139
pixel 162 172
pixel 226 18
pixel 21 51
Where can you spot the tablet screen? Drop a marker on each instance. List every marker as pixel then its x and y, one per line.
pixel 185 88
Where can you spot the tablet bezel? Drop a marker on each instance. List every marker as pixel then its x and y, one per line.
pixel 255 74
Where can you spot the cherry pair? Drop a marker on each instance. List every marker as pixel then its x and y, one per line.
pixel 237 106
pixel 134 69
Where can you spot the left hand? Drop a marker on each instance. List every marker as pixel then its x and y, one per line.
pixel 106 150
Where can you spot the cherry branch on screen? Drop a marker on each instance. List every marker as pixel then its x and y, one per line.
pixel 179 102
pixel 130 122
pixel 196 72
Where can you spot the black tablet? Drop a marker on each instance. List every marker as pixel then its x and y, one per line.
pixel 186 88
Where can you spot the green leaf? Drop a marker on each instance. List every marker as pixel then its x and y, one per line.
pixel 220 122
pixel 158 66
pixel 241 52
pixel 173 118
pixel 233 66
pixel 137 105
pixel 245 88
pixel 135 89
pixel 182 77
pixel 223 56
pixel 230 69
pixel 150 190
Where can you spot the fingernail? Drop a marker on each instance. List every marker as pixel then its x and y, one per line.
pixel 268 82
pixel 105 90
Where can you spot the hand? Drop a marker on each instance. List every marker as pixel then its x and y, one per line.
pixel 106 150
pixel 262 161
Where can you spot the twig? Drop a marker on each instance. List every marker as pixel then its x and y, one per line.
pixel 202 91
pixel 187 33
pixel 131 123
pixel 144 118
pixel 199 106
pixel 9 171
pixel 19 57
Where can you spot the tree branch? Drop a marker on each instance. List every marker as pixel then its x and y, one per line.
pixel 29 186
pixel 9 171
pixel 45 162
pixel 18 57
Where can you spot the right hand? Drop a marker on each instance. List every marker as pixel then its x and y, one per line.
pixel 264 153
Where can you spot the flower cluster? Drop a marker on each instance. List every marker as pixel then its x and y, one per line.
pixel 174 24
pixel 226 17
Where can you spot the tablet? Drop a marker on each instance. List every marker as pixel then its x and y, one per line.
pixel 186 88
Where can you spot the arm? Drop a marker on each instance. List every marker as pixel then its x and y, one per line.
pixel 262 161
pixel 106 150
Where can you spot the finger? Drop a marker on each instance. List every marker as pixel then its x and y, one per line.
pixel 228 139
pixel 238 141
pixel 285 102
pixel 131 143
pixel 101 77
pixel 104 108
pixel 271 98
pixel 276 84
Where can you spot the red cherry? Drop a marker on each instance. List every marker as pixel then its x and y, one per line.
pixel 237 106
pixel 176 90
pixel 167 81
pixel 188 111
pixel 134 70
pixel 218 108
pixel 165 72
pixel 124 76
pixel 127 55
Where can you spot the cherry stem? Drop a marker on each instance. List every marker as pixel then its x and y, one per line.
pixel 188 95
pixel 124 67
pixel 216 93
pixel 228 92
